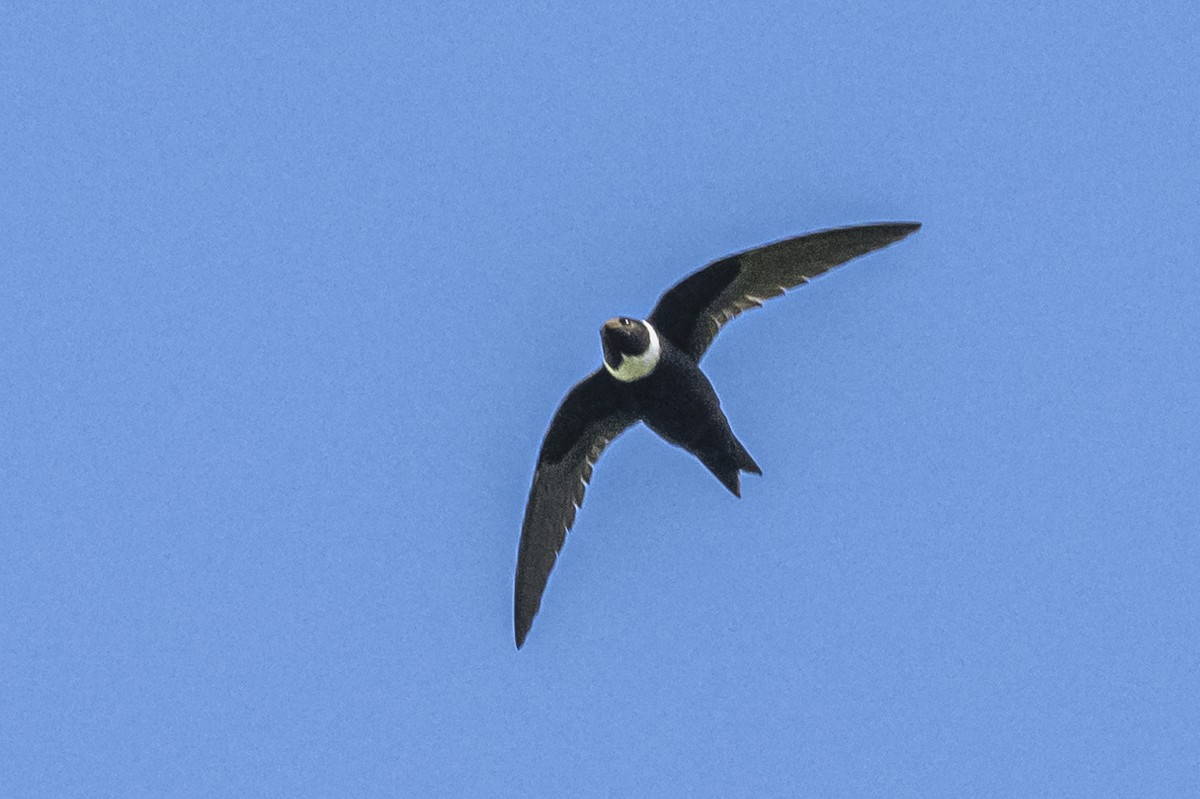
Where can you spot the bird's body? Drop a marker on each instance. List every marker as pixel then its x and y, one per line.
pixel 651 374
pixel 678 402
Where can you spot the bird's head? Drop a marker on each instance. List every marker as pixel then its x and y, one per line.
pixel 631 348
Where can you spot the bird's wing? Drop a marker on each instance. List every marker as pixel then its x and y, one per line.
pixel 590 417
pixel 691 312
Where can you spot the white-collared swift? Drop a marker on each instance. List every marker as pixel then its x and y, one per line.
pixel 651 374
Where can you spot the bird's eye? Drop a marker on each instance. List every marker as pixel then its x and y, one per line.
pixel 624 321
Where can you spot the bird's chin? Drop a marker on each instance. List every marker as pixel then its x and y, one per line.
pixel 612 355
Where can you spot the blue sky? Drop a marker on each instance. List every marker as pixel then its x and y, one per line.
pixel 289 296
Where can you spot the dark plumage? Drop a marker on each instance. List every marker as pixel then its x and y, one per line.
pixel 651 374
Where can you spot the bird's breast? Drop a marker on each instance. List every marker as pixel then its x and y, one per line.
pixel 676 402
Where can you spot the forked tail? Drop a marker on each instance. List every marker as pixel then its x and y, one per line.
pixel 727 466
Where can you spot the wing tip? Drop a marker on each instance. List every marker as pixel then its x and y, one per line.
pixel 521 625
pixel 885 234
pixel 523 617
pixel 893 230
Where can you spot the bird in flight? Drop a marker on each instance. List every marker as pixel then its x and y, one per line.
pixel 651 374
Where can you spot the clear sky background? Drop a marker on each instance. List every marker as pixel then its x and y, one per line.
pixel 288 297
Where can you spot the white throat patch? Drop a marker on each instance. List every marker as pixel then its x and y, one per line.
pixel 635 367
